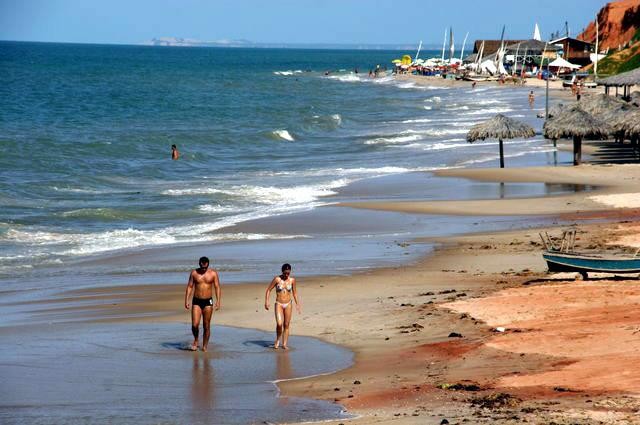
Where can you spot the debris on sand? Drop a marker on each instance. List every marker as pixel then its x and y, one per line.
pixel 459 386
pixel 496 401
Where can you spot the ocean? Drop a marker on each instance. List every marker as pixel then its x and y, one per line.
pixel 271 141
pixel 85 135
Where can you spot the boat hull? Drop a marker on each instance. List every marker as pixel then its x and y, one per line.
pixel 582 263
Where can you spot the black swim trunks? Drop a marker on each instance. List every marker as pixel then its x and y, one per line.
pixel 203 302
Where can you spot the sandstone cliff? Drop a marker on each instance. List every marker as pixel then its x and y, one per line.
pixel 618 21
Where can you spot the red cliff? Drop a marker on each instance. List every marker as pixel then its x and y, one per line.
pixel 618 22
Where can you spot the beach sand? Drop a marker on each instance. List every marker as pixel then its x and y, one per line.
pixel 555 86
pixel 423 333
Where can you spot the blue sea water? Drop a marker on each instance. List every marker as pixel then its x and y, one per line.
pixel 89 196
pixel 86 130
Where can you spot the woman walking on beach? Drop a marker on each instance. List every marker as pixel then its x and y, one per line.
pixel 285 286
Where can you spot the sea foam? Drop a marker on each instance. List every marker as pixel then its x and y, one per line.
pixel 283 135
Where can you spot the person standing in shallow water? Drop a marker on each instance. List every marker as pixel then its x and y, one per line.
pixel 174 152
pixel 198 297
pixel 532 98
pixel 285 286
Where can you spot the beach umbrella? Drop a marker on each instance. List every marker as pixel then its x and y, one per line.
pixel 628 78
pixel 628 124
pixel 578 124
pixel 609 109
pixel 601 104
pixel 396 61
pixel 555 110
pixel 635 98
pixel 406 60
pixel 500 127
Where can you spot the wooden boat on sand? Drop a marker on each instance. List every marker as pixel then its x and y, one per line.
pixel 562 258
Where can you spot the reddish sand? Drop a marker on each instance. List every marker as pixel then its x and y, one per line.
pixel 595 326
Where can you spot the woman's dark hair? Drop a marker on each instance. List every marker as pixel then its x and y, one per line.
pixel 286 266
pixel 174 147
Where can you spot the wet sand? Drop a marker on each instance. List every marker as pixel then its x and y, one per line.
pixel 423 333
pixel 143 373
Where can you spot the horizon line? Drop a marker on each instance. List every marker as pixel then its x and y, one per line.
pixel 259 45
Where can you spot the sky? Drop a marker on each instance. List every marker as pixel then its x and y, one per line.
pixel 287 21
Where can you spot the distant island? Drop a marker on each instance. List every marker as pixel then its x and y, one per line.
pixel 191 42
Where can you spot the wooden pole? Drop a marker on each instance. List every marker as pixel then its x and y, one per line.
pixel 577 150
pixel 501 154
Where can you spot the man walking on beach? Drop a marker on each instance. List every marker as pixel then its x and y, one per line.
pixel 198 298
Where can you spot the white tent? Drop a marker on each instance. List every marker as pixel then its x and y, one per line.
pixel 561 63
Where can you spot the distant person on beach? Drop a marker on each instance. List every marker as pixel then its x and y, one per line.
pixel 174 152
pixel 285 286
pixel 473 85
pixel 198 297
pixel 578 92
pixel 532 98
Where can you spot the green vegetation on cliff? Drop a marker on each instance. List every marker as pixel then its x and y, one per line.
pixel 622 61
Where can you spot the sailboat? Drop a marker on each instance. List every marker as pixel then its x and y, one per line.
pixel 500 55
pixel 536 33
pixel 451 48
pixel 463 44
pixel 444 43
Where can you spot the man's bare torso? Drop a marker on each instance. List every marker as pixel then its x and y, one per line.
pixel 203 283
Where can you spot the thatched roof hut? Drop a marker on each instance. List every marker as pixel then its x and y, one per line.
pixel 500 127
pixel 625 80
pixel 558 108
pixel 628 124
pixel 601 104
pixel 573 122
pixel 629 78
pixel 578 124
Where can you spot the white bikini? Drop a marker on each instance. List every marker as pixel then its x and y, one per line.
pixel 281 286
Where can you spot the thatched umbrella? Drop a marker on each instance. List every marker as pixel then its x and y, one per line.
pixel 500 127
pixel 609 109
pixel 635 98
pixel 628 125
pixel 628 78
pixel 556 109
pixel 601 104
pixel 577 124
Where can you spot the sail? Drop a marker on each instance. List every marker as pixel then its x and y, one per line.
pixel 444 42
pixel 536 33
pixel 463 44
pixel 451 48
pixel 418 52
pixel 501 69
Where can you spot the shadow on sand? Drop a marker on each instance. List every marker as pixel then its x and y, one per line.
pixel 177 346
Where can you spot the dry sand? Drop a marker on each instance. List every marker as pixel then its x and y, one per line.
pixel 556 91
pixel 568 353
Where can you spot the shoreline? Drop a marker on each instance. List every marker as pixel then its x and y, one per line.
pixel 405 325
pixel 555 86
pixel 422 331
